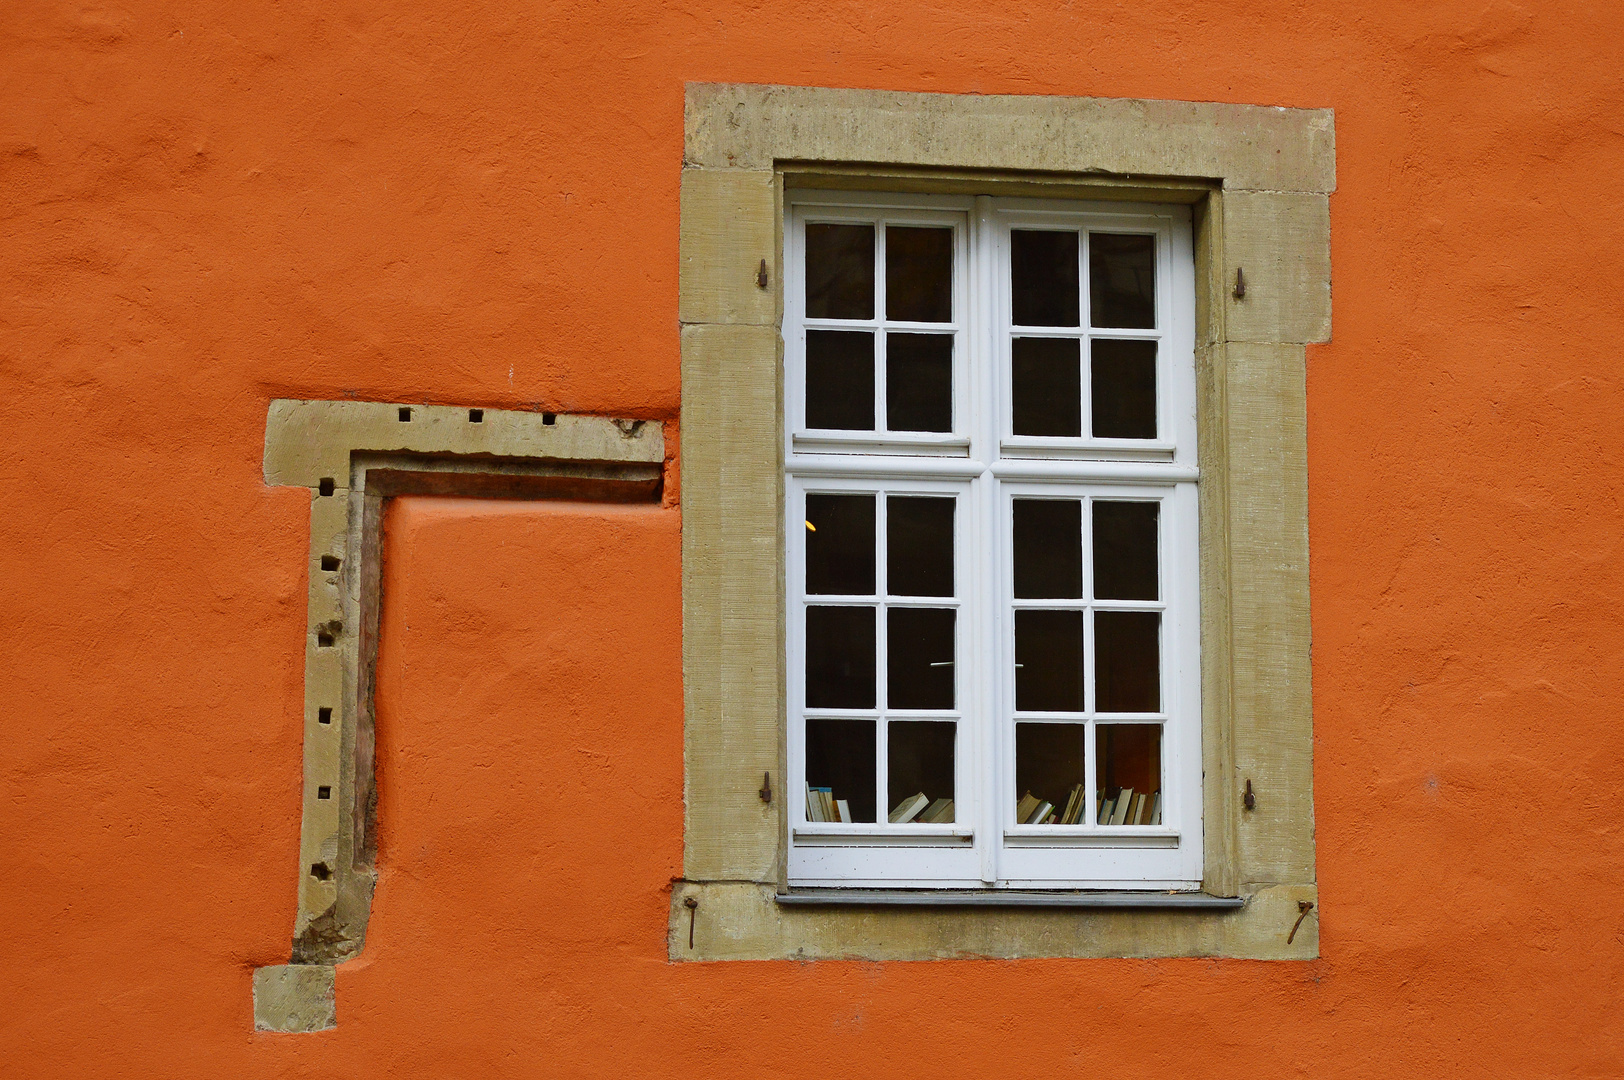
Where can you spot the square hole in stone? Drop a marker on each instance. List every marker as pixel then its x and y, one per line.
pixel 324 792
pixel 405 415
pixel 324 716
pixel 476 416
pixel 329 563
pixel 326 485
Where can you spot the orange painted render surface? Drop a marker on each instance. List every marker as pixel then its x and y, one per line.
pixel 209 206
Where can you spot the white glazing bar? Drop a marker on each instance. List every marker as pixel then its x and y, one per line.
pixel 984 392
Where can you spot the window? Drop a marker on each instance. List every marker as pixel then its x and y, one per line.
pixel 991 543
pixel 1256 184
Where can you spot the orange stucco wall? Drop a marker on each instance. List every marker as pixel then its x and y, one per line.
pixel 208 206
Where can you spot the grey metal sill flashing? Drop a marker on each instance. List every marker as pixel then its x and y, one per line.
pixel 1005 898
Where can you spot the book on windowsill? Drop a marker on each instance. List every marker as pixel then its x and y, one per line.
pixel 938 812
pixel 842 811
pixel 1126 808
pixel 1023 809
pixel 909 808
pixel 819 804
pixel 1075 803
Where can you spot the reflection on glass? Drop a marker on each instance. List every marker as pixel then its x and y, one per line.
pixel 1045 382
pixel 840 380
pixel 1049 661
pixel 1128 774
pixel 1043 277
pixel 1123 389
pixel 918 274
pixel 919 546
pixel 1048 549
pixel 840 271
pixel 840 770
pixel 1122 280
pixel 919 658
pixel 840 544
pixel 840 657
pixel 919 771
pixel 1049 779
pixel 1127 661
pixel 1125 550
pixel 919 382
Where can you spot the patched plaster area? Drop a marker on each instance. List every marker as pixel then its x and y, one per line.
pixel 352 456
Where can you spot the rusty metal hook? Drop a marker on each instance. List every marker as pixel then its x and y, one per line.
pixel 1303 906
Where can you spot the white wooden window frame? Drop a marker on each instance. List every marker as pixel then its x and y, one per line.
pixel 985 466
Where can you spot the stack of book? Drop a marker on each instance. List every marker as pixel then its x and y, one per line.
pixel 920 808
pixel 821 805
pixel 1126 808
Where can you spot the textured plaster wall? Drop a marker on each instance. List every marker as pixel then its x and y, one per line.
pixel 206 207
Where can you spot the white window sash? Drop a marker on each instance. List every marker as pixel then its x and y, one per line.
pixel 986 466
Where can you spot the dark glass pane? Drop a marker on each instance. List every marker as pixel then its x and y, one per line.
pixel 920 762
pixel 840 544
pixel 840 657
pixel 1049 661
pixel 1127 661
pixel 919 546
pixel 1128 773
pixel 919 658
pixel 1045 382
pixel 1123 389
pixel 919 382
pixel 1125 548
pixel 1122 280
pixel 840 380
pixel 840 757
pixel 1043 278
pixel 840 271
pixel 918 274
pixel 1049 770
pixel 1048 549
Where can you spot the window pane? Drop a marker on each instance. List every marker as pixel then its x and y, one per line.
pixel 1125 550
pixel 1127 661
pixel 840 380
pixel 1122 280
pixel 840 657
pixel 840 757
pixel 1046 386
pixel 1128 774
pixel 920 762
pixel 1049 772
pixel 919 382
pixel 840 544
pixel 919 546
pixel 1043 278
pixel 840 271
pixel 1123 389
pixel 919 658
pixel 1049 661
pixel 918 274
pixel 1048 549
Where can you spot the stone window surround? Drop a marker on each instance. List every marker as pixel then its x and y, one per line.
pixel 353 456
pixel 1258 180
